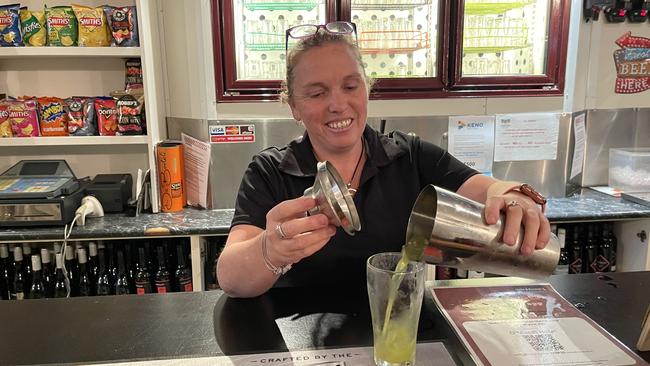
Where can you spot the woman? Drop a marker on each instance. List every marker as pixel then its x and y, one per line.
pixel 327 91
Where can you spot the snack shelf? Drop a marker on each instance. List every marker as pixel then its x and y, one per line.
pixel 494 7
pixel 9 52
pixel 73 140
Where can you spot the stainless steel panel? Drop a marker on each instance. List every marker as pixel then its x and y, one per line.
pixel 30 212
pixel 611 128
pixel 548 176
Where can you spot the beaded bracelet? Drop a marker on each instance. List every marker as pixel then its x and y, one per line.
pixel 270 266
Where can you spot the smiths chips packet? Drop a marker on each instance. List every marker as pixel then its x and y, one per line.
pixel 10 35
pixel 93 30
pixel 23 115
pixel 32 23
pixel 106 116
pixel 54 120
pixel 5 123
pixel 123 23
pixel 129 112
pixel 61 26
pixel 81 116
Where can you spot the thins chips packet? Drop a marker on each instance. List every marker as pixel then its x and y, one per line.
pixel 32 23
pixel 23 115
pixel 10 35
pixel 54 120
pixel 81 116
pixel 61 26
pixel 106 116
pixel 5 123
pixel 123 23
pixel 93 30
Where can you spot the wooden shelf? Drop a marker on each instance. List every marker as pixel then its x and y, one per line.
pixel 73 140
pixel 45 52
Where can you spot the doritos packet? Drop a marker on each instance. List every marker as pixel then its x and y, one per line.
pixel 81 116
pixel 23 115
pixel 32 24
pixel 5 123
pixel 54 120
pixel 93 30
pixel 123 24
pixel 106 116
pixel 10 35
pixel 61 26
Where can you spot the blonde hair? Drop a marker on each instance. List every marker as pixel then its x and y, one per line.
pixel 317 40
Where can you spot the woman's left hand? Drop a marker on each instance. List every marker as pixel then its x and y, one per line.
pixel 519 209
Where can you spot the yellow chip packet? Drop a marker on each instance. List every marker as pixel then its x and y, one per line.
pixel 93 28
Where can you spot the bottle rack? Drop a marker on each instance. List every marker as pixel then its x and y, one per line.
pixel 290 5
pixel 386 5
pixel 393 41
pixel 479 7
pixel 494 34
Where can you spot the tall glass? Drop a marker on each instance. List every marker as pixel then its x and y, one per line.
pixel 395 296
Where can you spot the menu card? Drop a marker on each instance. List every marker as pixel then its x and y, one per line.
pixel 527 325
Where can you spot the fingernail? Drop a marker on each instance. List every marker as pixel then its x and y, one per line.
pixel 527 251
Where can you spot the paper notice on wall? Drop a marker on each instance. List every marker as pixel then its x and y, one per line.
pixel 526 136
pixel 197 164
pixel 471 140
pixel 579 145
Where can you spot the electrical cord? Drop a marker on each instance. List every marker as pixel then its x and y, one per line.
pixel 66 235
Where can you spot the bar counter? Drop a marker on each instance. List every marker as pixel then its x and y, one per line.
pixel 122 328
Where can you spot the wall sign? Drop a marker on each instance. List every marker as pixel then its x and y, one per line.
pixel 632 64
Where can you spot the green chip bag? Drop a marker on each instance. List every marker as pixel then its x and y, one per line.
pixel 61 26
pixel 32 23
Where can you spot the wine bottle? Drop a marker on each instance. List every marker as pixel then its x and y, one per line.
pixel 27 267
pixel 162 275
pixel 57 248
pixel 5 274
pixel 47 273
pixel 72 271
pixel 111 269
pixel 103 282
pixel 60 289
pixel 591 250
pixel 18 288
pixel 575 264
pixel 614 245
pixel 563 263
pixel 130 267
pixel 604 252
pixel 122 286
pixel 85 285
pixel 37 289
pixel 142 278
pixel 183 275
pixel 93 266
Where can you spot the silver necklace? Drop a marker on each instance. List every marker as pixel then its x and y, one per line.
pixel 354 173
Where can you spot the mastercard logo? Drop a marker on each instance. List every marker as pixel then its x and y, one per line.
pixel 232 130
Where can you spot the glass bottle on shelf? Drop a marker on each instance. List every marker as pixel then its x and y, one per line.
pixel 162 280
pixel 18 288
pixel 143 278
pixel 72 270
pixel 103 281
pixel 5 273
pixel 182 274
pixel 85 284
pixel 47 272
pixel 60 289
pixel 122 286
pixel 93 266
pixel 27 266
pixel 37 289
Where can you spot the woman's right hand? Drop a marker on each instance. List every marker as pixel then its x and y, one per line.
pixel 291 235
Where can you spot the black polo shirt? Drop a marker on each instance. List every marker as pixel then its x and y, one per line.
pixel 397 168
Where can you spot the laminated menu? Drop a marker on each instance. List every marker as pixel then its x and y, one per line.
pixel 527 325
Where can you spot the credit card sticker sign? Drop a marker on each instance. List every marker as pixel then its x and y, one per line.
pixel 232 133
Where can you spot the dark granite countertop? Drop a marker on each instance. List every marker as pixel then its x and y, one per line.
pixel 587 205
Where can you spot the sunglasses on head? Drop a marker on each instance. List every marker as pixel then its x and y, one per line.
pixel 309 30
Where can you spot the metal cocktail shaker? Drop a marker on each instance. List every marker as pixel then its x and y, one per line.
pixel 457 236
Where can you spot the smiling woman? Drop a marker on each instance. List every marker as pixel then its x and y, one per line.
pixel 327 90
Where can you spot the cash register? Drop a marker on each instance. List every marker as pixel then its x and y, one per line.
pixel 39 192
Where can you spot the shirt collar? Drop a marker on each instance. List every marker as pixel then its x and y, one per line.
pixel 300 161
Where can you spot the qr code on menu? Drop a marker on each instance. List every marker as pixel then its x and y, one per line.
pixel 543 342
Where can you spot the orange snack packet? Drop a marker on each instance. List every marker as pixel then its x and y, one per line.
pixel 54 120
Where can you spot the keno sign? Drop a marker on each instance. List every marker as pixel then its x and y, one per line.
pixel 632 64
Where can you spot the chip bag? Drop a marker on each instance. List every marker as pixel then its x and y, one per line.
pixel 106 116
pixel 123 24
pixel 54 120
pixel 129 107
pixel 32 24
pixel 61 26
pixel 81 116
pixel 5 123
pixel 93 30
pixel 23 115
pixel 10 35
pixel 133 78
